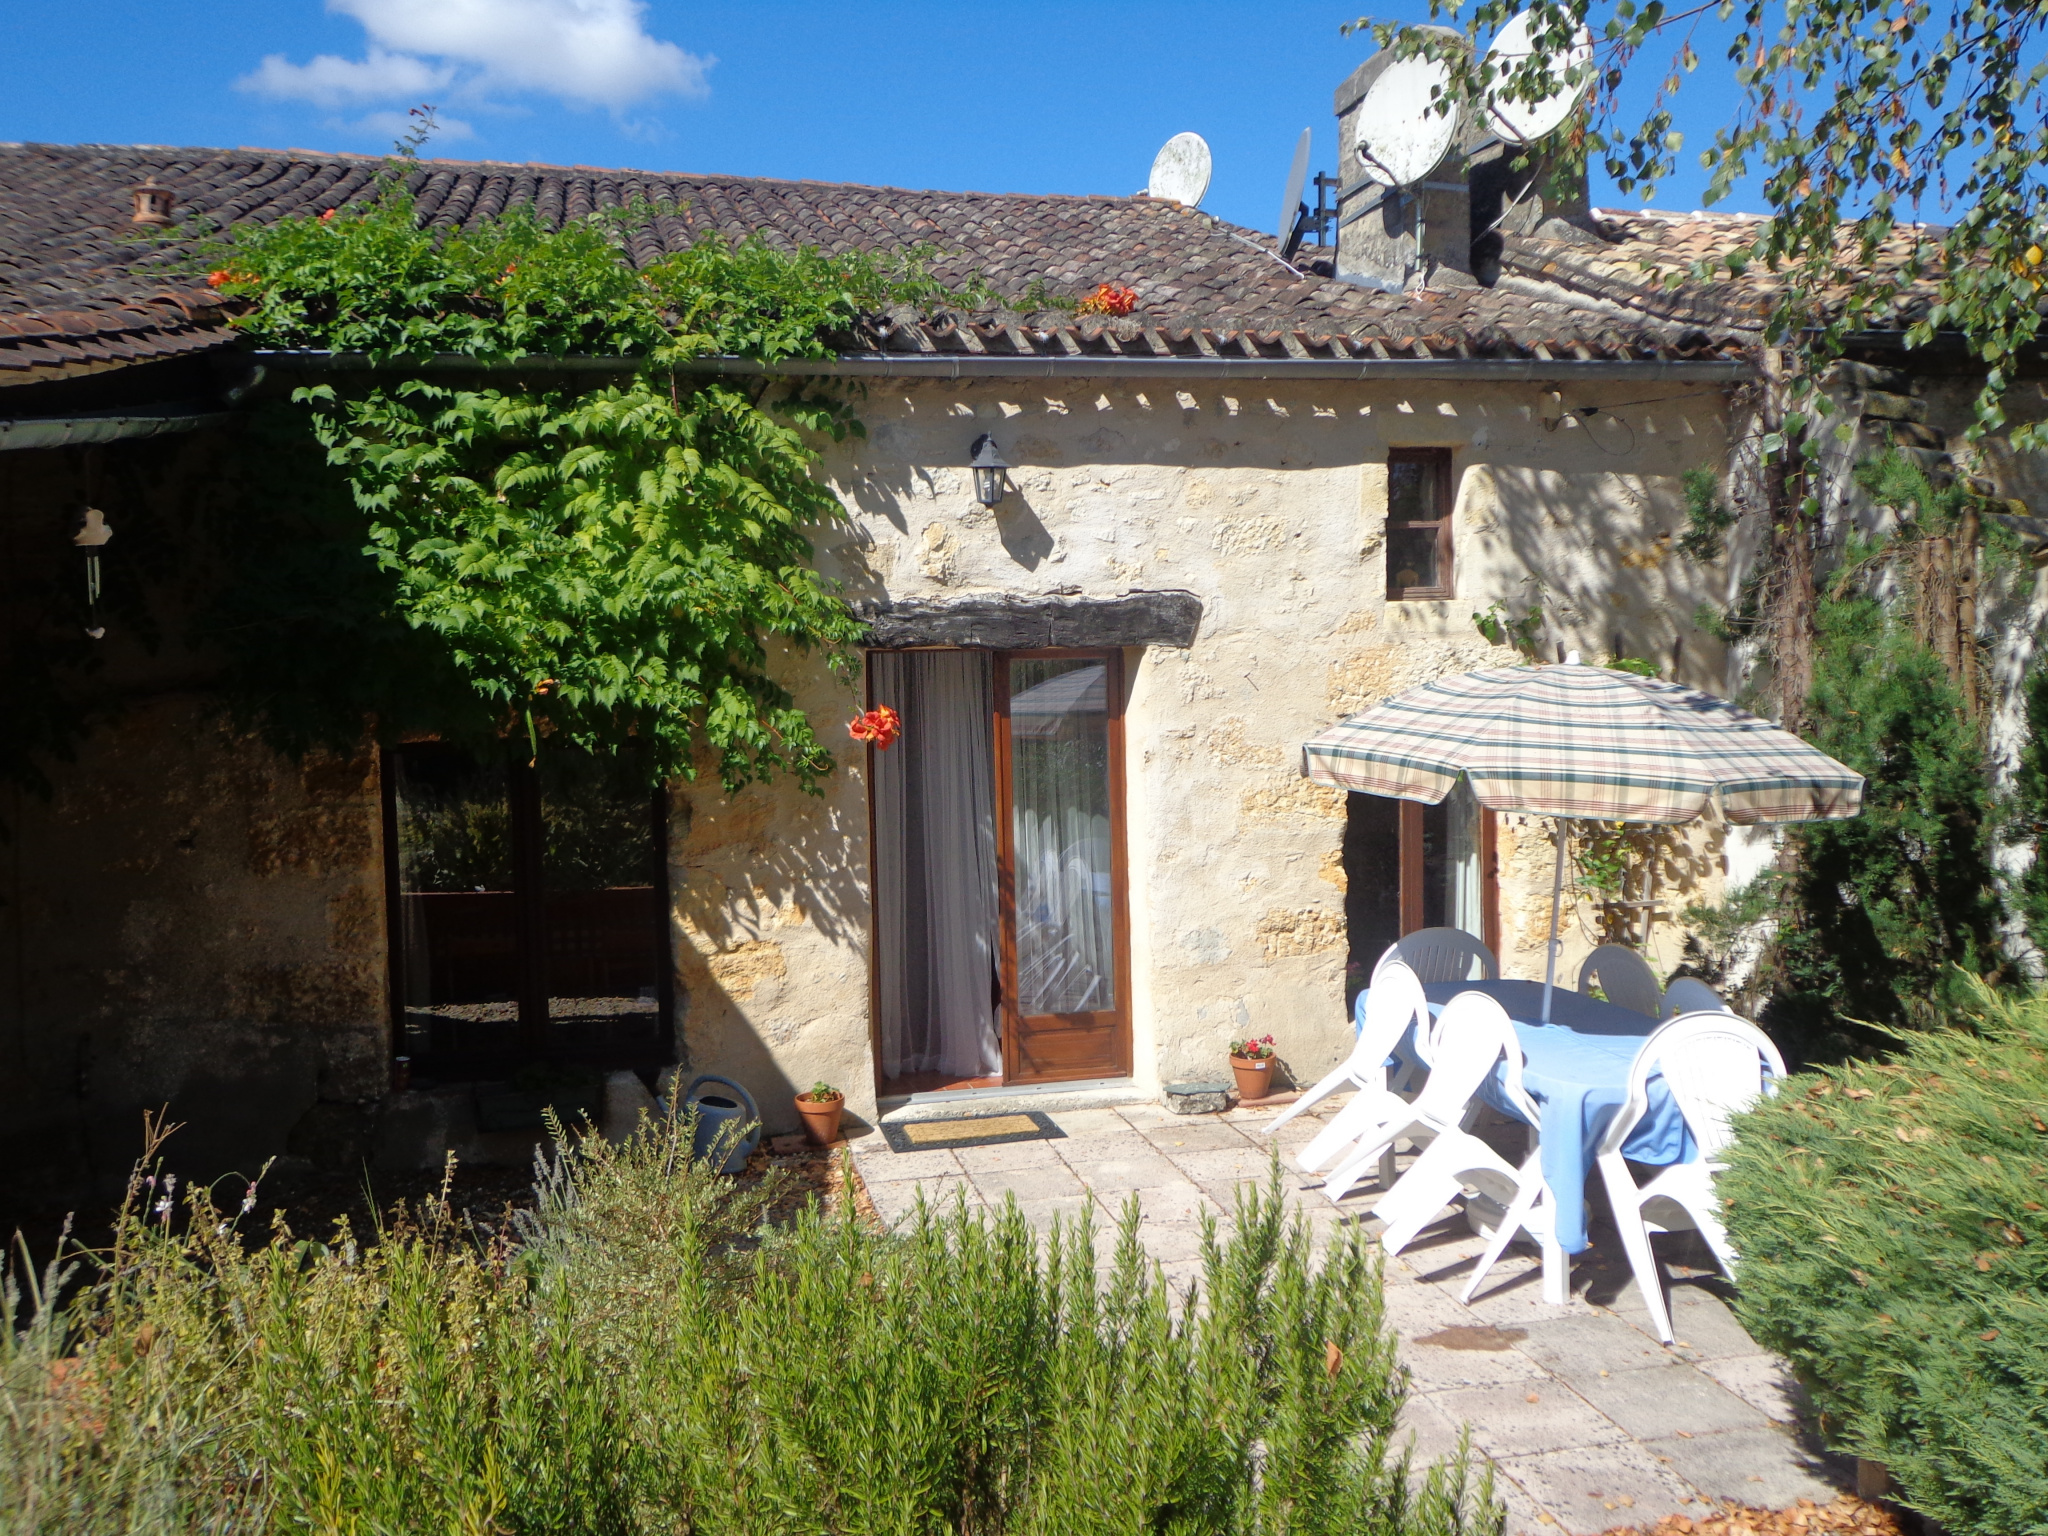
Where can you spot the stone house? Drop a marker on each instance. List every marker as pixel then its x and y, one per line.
pixel 1279 490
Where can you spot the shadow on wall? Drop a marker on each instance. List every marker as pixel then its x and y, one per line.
pixel 758 880
pixel 1602 543
pixel 1022 531
pixel 195 927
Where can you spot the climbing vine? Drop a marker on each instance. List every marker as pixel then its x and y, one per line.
pixel 1879 917
pixel 600 563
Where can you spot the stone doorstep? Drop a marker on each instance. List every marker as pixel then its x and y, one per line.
pixel 996 1101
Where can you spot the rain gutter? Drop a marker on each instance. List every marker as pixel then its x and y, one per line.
pixel 980 366
pixel 104 426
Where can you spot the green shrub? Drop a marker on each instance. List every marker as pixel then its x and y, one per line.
pixel 1895 1249
pixel 644 1356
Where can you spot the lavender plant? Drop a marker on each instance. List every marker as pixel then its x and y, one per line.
pixel 643 1355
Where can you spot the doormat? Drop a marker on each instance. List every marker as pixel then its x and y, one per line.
pixel 970 1131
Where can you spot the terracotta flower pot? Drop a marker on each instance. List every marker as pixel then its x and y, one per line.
pixel 821 1117
pixel 1254 1078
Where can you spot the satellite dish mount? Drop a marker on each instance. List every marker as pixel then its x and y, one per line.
pixel 1402 135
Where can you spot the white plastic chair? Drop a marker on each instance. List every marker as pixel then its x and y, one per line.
pixel 1625 977
pixel 1441 954
pixel 1688 994
pixel 1715 1065
pixel 1394 1003
pixel 1474 1033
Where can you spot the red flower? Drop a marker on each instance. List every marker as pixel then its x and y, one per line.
pixel 881 726
pixel 219 276
pixel 327 216
pixel 1109 299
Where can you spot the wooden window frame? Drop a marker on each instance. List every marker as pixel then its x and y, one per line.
pixel 1413 879
pixel 1445 462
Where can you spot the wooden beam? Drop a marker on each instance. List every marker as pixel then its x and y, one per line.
pixel 1003 622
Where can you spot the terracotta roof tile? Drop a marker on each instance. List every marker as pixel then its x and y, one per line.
pixel 69 256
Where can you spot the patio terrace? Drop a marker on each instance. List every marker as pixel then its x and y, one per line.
pixel 1588 1420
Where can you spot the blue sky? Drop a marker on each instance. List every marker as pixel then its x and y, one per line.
pixel 1034 98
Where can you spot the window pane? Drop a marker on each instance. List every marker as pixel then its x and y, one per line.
pixel 1435 844
pixel 1464 900
pixel 1450 863
pixel 602 920
pixel 1411 559
pixel 458 916
pixel 1412 490
pixel 1059 745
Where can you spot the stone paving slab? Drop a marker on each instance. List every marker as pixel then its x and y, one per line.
pixel 1588 1420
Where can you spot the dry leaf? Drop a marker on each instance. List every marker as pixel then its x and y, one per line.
pixel 1333 1358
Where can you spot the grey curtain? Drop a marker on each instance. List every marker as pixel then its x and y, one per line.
pixel 935 865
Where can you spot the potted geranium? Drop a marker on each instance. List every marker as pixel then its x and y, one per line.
pixel 1251 1061
pixel 820 1109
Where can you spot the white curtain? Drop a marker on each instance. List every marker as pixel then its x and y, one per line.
pixel 935 864
pixel 1464 901
pixel 1059 775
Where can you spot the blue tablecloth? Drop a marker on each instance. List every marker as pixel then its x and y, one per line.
pixel 1576 1069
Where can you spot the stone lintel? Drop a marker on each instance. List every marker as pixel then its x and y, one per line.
pixel 1002 621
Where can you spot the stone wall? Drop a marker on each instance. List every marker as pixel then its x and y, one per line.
pixel 1269 503
pixel 187 920
pixel 192 923
pixel 190 920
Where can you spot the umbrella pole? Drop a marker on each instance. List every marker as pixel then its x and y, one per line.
pixel 1556 894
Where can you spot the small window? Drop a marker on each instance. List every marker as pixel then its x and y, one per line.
pixel 1418 523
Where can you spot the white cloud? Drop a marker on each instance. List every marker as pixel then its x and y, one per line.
pixel 586 52
pixel 328 81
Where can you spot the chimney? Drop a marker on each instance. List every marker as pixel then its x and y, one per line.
pixel 1446 231
pixel 152 203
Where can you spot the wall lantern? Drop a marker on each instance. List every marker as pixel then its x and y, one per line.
pixel 90 532
pixel 152 203
pixel 991 474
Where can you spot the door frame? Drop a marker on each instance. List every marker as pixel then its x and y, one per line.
pixel 1117 1018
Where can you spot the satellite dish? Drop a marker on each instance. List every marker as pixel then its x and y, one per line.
pixel 1524 122
pixel 1180 171
pixel 1297 176
pixel 1402 136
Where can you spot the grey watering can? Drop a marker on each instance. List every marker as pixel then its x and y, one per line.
pixel 715 1112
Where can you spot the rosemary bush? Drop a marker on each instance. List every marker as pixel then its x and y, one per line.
pixel 644 1355
pixel 1895 1249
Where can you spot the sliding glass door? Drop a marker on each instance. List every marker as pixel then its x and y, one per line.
pixel 1001 947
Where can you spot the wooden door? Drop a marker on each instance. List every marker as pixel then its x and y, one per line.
pixel 1060 845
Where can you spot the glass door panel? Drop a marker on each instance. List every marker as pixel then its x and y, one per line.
pixel 458 910
pixel 601 925
pixel 1061 732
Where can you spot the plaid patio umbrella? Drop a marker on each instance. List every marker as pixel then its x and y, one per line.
pixel 1585 742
